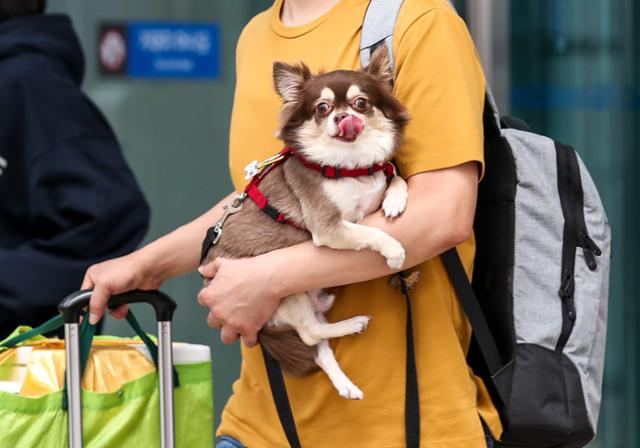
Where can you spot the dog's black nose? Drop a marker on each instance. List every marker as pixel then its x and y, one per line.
pixel 337 118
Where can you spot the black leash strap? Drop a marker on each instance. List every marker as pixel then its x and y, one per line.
pixel 208 242
pixel 281 399
pixel 471 306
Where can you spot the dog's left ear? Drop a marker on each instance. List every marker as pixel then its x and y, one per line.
pixel 380 66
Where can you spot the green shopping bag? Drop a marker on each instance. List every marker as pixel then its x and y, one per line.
pixel 126 417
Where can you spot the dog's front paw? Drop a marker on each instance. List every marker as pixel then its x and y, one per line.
pixel 394 253
pixel 350 392
pixel 359 324
pixel 394 204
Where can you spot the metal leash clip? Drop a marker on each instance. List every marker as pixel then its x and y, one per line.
pixel 229 209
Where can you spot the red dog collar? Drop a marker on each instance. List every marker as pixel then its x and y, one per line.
pixel 253 192
pixel 336 173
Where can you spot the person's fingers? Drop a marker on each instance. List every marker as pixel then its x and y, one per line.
pixel 98 303
pixel 202 299
pixel 120 312
pixel 209 270
pixel 213 321
pixel 87 282
pixel 228 335
pixel 250 340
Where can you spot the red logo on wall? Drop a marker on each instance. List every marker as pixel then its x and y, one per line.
pixel 112 49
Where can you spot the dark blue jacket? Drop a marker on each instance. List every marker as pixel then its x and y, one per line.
pixel 67 197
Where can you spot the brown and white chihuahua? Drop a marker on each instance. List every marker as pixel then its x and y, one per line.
pixel 341 119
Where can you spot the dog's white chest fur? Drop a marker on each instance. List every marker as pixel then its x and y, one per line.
pixel 356 197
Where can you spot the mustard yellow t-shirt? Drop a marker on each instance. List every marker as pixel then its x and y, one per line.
pixel 439 79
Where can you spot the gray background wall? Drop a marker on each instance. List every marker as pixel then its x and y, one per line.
pixel 174 135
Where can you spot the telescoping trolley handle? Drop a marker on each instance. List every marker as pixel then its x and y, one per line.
pixel 71 308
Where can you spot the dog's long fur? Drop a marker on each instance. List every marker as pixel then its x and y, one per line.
pixel 329 208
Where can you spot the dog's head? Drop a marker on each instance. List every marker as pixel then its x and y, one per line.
pixel 341 118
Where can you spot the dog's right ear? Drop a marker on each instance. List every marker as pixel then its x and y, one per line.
pixel 288 80
pixel 380 66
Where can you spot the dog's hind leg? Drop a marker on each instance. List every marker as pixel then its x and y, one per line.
pixel 297 311
pixel 321 300
pixel 326 360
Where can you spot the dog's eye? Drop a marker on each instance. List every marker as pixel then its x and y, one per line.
pixel 361 104
pixel 323 108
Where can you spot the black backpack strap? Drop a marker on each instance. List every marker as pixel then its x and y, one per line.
pixel 411 394
pixel 471 306
pixel 281 399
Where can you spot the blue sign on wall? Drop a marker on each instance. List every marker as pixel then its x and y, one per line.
pixel 160 50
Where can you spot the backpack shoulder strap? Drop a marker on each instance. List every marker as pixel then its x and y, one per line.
pixel 377 28
pixel 471 306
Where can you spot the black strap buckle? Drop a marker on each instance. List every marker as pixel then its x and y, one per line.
pixel 212 237
pixel 336 172
pixel 272 212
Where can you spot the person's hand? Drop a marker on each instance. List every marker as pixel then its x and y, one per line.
pixel 113 277
pixel 241 297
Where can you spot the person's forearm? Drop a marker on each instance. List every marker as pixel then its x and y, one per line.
pixel 179 251
pixel 430 225
pixel 306 267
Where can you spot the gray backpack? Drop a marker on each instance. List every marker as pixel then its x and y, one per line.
pixel 538 302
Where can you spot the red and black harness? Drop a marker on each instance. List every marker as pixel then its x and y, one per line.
pixel 259 171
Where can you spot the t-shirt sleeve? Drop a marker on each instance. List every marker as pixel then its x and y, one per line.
pixel 439 79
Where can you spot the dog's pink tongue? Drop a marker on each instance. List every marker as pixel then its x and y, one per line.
pixel 350 127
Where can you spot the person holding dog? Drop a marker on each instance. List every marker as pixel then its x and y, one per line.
pixel 440 81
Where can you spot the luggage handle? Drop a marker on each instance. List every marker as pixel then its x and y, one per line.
pixel 71 308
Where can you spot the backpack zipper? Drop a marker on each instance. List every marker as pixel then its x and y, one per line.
pixel 571 202
pixel 589 248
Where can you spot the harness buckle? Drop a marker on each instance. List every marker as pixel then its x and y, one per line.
pixel 330 172
pixel 217 231
pixel 272 212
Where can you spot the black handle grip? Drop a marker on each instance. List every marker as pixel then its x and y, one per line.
pixel 72 305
